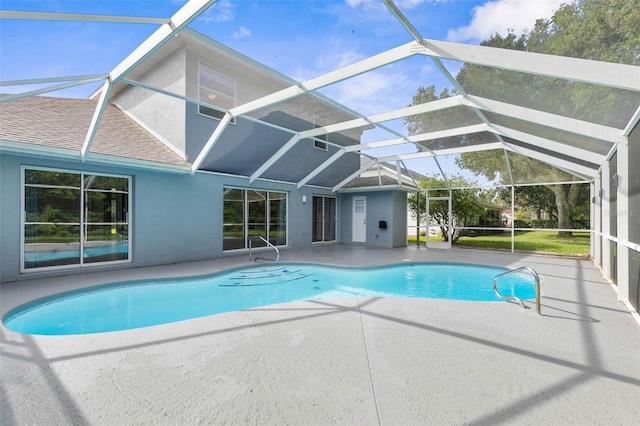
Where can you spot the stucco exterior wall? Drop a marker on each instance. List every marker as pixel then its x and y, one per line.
pixel 162 115
pixel 389 206
pixel 173 217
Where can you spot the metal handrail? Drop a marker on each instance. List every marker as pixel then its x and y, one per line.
pixel 268 245
pixel 517 299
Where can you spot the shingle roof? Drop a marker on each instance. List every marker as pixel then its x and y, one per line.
pixel 64 123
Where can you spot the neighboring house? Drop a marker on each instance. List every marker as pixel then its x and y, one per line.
pixel 160 183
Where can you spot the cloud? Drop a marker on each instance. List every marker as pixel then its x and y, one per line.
pixel 220 12
pixel 242 33
pixel 374 92
pixel 499 16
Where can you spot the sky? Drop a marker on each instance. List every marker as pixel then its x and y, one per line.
pixel 301 39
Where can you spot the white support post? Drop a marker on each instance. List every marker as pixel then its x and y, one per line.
pixel 513 218
pixel 623 215
pixel 597 221
pixel 592 215
pixel 606 221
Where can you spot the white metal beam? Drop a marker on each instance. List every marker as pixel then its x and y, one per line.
pixel 48 89
pixel 197 102
pixel 368 64
pixel 402 19
pixel 551 160
pixel 401 141
pixel 53 80
pixel 548 144
pixel 210 143
pixel 49 16
pixel 190 11
pixel 321 167
pixel 95 120
pixel 437 105
pixel 359 122
pixel 274 158
pixel 178 21
pixel 237 55
pixel 585 128
pixel 632 123
pixel 423 137
pixel 601 73
pixel 439 152
pixel 354 175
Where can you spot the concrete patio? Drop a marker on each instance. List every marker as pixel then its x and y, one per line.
pixel 389 361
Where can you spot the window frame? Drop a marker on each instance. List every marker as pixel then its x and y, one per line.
pixel 245 194
pixel 323 221
pixel 322 146
pixel 82 220
pixel 233 99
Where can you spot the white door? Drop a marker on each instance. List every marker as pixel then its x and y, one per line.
pixel 359 227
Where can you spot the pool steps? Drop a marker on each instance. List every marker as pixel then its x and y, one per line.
pixel 266 276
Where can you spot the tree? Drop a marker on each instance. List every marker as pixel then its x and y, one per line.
pixel 466 205
pixel 605 30
pixel 543 198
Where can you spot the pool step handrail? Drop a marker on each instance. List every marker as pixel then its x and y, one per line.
pixel 268 245
pixel 515 298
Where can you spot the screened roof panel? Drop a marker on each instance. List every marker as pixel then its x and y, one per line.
pixel 303 112
pixel 342 71
pixel 582 101
pixel 477 168
pixel 460 142
pixel 450 118
pixel 574 140
pixel 526 169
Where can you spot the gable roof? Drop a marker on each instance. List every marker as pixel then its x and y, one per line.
pixel 62 124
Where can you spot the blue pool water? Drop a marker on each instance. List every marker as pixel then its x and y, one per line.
pixel 127 305
pixel 71 253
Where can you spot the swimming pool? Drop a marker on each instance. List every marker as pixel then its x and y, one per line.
pixel 134 304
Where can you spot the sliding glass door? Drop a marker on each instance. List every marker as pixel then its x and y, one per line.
pixel 249 214
pixel 74 219
pixel 324 219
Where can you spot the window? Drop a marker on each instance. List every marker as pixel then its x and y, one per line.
pixel 215 88
pixel 74 219
pixel 251 213
pixel 324 219
pixel 318 141
pixel 320 145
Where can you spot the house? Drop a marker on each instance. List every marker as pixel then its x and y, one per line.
pixel 153 178
pixel 190 150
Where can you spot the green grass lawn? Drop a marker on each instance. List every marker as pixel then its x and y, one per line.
pixel 533 241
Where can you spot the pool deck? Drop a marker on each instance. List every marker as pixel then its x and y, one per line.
pixel 364 361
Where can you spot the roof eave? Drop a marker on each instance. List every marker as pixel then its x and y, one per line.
pixel 378 188
pixel 40 151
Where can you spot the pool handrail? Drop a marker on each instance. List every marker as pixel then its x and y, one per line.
pixel 268 245
pixel 517 299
